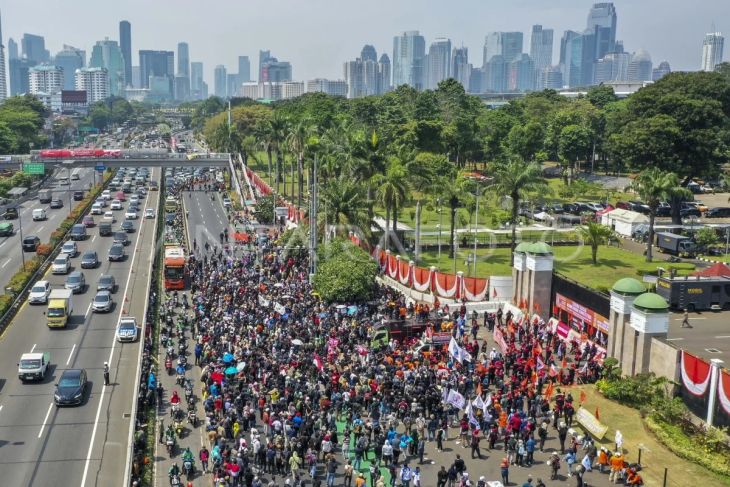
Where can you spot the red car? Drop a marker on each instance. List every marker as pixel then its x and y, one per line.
pixel 88 221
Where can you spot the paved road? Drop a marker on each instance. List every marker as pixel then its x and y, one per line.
pixel 87 445
pixel 10 250
pixel 206 219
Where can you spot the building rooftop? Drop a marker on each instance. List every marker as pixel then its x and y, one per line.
pixel 629 286
pixel 651 302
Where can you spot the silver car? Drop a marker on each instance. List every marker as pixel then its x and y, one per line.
pixel 102 302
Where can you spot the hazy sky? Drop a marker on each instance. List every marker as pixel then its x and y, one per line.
pixel 317 36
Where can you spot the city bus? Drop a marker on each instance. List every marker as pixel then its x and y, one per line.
pixel 174 268
pixel 170 204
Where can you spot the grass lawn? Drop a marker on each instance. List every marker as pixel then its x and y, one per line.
pixel 571 261
pixel 654 456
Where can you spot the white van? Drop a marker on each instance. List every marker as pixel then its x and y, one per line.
pixel 39 214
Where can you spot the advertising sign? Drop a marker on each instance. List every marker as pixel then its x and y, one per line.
pixel 581 312
pixel 590 423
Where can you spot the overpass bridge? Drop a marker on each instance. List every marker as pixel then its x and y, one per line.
pixel 153 160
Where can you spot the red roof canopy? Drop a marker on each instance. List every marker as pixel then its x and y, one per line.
pixel 715 270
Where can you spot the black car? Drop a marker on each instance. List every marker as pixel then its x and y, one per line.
pixel 78 195
pixel 56 204
pixel 89 260
pixel 169 218
pixel 71 388
pixel 639 207
pixel 121 238
pixel 116 252
pixel 30 243
pixel 690 211
pixel 127 226
pixel 106 283
pixel 719 212
pixel 10 213
pixel 571 208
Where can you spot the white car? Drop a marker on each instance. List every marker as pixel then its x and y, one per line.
pixel 149 213
pixel 39 292
pixel 101 201
pixel 70 248
pixel 106 194
pixel 227 202
pixel 108 217
pixel 116 205
pixel 130 215
pixel 96 209
pixel 61 264
pixel 127 329
pixel 134 198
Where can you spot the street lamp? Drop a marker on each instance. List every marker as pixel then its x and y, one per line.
pixel 68 190
pixel 20 229
pixel 440 221
pixel 476 229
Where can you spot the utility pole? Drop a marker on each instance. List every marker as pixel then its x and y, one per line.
pixel 476 229
pixel 418 231
pixel 313 196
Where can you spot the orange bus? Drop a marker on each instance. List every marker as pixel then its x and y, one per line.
pixel 174 268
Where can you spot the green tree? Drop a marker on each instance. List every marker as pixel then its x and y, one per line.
pixel 706 237
pixel 453 192
pixel 601 95
pixel 264 210
pixel 342 203
pixel 594 234
pixel 345 273
pixel 392 191
pixel 575 144
pixel 525 141
pixel 654 186
pixel 514 179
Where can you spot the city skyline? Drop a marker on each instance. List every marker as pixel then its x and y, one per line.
pixel 668 30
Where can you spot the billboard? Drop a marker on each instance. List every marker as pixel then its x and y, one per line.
pixel 73 96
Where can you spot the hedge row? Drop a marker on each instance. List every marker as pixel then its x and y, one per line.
pixel 23 276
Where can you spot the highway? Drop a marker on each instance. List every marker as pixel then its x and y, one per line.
pixel 42 445
pixel 10 250
pixel 206 220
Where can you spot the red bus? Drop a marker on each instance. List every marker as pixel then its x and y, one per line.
pixel 174 268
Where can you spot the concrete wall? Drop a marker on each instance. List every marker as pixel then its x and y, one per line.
pixel 664 359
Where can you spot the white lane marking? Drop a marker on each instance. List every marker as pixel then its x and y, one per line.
pixel 45 420
pixel 71 354
pixel 6 263
pixel 691 318
pixel 31 350
pixel 1 408
pixel 93 238
pixel 722 336
pixel 41 228
pixel 87 311
pixel 111 354
pixel 1 244
pixel 674 339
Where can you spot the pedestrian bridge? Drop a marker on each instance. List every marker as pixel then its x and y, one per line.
pixel 152 160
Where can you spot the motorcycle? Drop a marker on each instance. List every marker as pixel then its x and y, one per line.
pixel 170 350
pixel 188 469
pixel 168 366
pixel 170 444
pixel 182 360
pixel 193 418
pixel 180 380
pixel 179 430
pixel 174 480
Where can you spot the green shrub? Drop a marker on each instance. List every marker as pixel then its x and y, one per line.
pixel 5 302
pixel 345 273
pixel 637 391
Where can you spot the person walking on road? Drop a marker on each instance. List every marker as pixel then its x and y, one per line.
pixel 685 320
pixel 106 374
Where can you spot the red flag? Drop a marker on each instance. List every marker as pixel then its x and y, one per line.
pixel 318 362
pixel 553 370
pixel 582 397
pixel 597 416
pixel 494 292
pixel 540 363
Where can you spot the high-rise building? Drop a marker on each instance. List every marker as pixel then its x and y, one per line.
pixel 263 57
pixel 369 53
pixel 136 76
pixel 640 67
pixel 541 47
pixel 183 59
pixel 384 74
pixel 45 79
pixel 477 83
pixel 409 52
pixel 94 81
pixel 661 71
pixel 196 81
pixel 712 48
pixel 125 44
pixel 182 88
pixel 602 24
pixel 34 48
pixel 232 84
pixel 291 89
pixel 12 49
pixel 460 67
pixel 438 62
pixel 550 78
pixel 70 59
pixel 274 71
pixel 366 77
pixel 107 54
pixel 19 77
pixel 521 74
pixel 495 75
pixel 330 87
pixel 3 74
pixel 576 58
pixel 505 44
pixel 614 66
pixel 244 69
pixel 158 64
pixel 220 80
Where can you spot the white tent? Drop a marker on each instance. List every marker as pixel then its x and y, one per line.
pixel 624 222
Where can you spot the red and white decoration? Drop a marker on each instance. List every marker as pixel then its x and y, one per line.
pixel 696 374
pixel 723 390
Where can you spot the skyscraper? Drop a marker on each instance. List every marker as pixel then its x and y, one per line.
pixel 384 74
pixel 365 76
pixel 263 57
pixel 107 54
pixel 409 51
pixel 125 43
pixel 661 71
pixel 196 80
pixel 12 49
pixel 505 44
pixel 34 48
pixel 602 23
pixel 70 59
pixel 3 76
pixel 369 53
pixel 157 64
pixel 521 74
pixel 94 81
pixel 183 59
pixel 244 69
pixel 45 79
pixel 614 66
pixel 438 65
pixel 571 58
pixel 640 67
pixel 274 71
pixel 460 67
pixel 541 47
pixel 712 51
pixel 220 81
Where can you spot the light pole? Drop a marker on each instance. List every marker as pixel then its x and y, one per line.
pixel 476 229
pixel 20 229
pixel 440 222
pixel 68 190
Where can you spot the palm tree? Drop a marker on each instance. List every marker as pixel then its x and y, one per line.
pixel 297 141
pixel 654 186
pixel 277 133
pixel 595 235
pixel 514 178
pixel 392 191
pixel 342 203
pixel 368 160
pixel 453 192
pixel 266 142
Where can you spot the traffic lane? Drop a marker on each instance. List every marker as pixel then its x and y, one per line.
pixel 708 338
pixel 96 347
pixel 31 323
pixel 206 218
